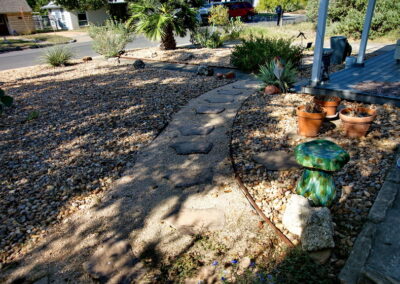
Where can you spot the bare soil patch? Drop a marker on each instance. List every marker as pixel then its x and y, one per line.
pixel 71 132
pixel 269 123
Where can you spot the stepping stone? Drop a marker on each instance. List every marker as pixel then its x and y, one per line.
pixel 276 160
pixel 187 148
pixel 188 177
pixel 112 259
pixel 229 92
pixel 195 130
pixel 194 221
pixel 220 100
pixel 209 109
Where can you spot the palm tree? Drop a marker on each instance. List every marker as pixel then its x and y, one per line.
pixel 160 19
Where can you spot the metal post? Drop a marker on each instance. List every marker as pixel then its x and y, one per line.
pixel 365 32
pixel 319 42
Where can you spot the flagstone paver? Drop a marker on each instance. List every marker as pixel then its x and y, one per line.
pixel 189 130
pixel 209 109
pixel 220 100
pixel 187 148
pixel 230 92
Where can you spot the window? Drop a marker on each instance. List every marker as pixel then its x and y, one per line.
pixel 82 19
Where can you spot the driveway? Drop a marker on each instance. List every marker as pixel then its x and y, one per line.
pixel 30 57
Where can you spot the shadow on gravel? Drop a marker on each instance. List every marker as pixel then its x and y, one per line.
pixel 86 136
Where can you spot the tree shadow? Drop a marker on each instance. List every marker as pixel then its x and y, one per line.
pixel 76 148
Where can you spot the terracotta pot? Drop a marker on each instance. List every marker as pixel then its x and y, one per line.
pixel 309 123
pixel 356 126
pixel 329 106
pixel 271 90
pixel 229 75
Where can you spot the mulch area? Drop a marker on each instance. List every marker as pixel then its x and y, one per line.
pixel 71 132
pixel 269 123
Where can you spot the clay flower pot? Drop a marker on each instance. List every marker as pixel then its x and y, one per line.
pixel 309 123
pixel 271 90
pixel 329 106
pixel 357 126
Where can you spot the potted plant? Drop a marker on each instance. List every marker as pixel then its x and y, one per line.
pixel 357 121
pixel 310 118
pixel 277 77
pixel 329 103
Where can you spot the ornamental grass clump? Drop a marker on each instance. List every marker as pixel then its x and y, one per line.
pixel 57 56
pixel 109 40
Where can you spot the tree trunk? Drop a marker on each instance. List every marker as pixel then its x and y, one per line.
pixel 167 40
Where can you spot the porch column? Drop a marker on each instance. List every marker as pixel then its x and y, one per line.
pixel 319 42
pixel 365 32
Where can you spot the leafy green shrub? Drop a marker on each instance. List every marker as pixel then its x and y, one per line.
pixel 233 29
pixel 206 37
pixel 5 101
pixel 279 75
pixel 110 39
pixel 219 15
pixel 57 56
pixel 348 17
pixel 253 53
pixel 287 5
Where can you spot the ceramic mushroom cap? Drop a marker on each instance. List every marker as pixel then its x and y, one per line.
pixel 321 155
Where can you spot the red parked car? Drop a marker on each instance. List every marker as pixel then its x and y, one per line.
pixel 236 9
pixel 240 9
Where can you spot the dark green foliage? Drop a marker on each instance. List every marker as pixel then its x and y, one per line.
pixel 251 54
pixel 298 267
pixel 349 16
pixel 287 5
pixel 82 5
pixel 5 101
pixel 206 37
pixel 36 4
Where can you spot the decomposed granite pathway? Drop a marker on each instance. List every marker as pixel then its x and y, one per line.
pixel 182 184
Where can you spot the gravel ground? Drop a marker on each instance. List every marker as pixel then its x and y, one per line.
pixel 91 119
pixel 269 123
pixel 216 57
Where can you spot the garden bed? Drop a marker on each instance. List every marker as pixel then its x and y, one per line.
pixel 213 57
pixel 269 123
pixel 71 132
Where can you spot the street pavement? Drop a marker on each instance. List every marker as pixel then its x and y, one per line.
pixel 30 57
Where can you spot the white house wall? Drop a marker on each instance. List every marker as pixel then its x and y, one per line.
pixel 73 16
pixel 97 17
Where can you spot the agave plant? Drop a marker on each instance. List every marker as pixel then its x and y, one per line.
pixel 5 101
pixel 278 74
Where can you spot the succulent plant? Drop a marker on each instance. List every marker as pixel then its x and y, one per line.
pixel 5 101
pixel 327 98
pixel 313 108
pixel 278 74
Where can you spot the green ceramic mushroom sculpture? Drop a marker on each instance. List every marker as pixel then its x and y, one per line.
pixel 320 158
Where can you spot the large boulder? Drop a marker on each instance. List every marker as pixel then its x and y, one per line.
pixel 313 224
pixel 318 232
pixel 296 215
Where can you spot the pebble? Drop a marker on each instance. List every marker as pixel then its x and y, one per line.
pixel 264 124
pixel 88 133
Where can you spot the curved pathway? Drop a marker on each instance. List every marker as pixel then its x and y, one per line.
pixel 182 185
